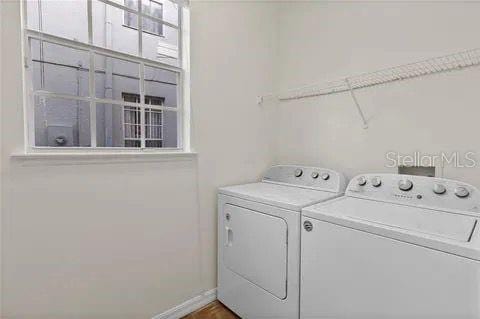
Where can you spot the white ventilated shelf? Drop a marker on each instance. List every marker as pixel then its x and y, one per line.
pixel 455 61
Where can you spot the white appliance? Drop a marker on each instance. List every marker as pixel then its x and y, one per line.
pixel 259 239
pixel 395 246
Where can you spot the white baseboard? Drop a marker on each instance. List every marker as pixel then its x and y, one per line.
pixel 189 306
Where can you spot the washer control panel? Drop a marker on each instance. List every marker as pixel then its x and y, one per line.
pixel 416 190
pixel 309 177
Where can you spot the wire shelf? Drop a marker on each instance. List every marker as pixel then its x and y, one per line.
pixel 455 61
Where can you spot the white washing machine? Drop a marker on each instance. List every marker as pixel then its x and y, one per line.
pixel 259 239
pixel 395 246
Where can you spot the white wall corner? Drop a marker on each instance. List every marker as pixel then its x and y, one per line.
pixel 1 155
pixel 189 306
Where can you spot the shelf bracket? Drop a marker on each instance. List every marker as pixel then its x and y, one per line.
pixel 359 109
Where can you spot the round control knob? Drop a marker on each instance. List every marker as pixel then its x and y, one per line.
pixel 461 192
pixel 315 175
pixel 325 176
pixel 361 181
pixel 405 185
pixel 298 172
pixel 307 225
pixel 376 181
pixel 439 189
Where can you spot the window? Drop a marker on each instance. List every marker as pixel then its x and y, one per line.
pixel 153 122
pixel 150 7
pixel 93 83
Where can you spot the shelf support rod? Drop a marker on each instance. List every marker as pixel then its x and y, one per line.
pixel 359 109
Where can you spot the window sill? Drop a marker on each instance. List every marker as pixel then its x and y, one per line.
pixel 102 157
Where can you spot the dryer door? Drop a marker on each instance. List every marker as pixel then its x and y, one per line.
pixel 256 248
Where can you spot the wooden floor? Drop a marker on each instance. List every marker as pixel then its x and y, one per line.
pixel 214 310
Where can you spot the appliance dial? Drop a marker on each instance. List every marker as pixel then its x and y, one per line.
pixel 376 181
pixel 439 189
pixel 315 175
pixel 325 176
pixel 462 192
pixel 361 181
pixel 405 185
pixel 298 172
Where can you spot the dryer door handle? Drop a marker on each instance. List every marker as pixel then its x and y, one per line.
pixel 228 236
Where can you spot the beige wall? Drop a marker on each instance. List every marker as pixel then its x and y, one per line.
pixel 133 238
pixel 328 41
pixel 1 160
pixel 232 49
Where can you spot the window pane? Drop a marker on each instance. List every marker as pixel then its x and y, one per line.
pixel 115 76
pixel 170 129
pixel 153 128
pixel 161 83
pixel 59 69
pixel 114 28
pixel 153 8
pixel 160 48
pixel 153 27
pixel 61 122
pixel 132 126
pixel 163 9
pixel 118 126
pixel 64 18
pixel 129 18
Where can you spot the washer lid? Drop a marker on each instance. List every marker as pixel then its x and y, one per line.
pixel 284 196
pixel 450 231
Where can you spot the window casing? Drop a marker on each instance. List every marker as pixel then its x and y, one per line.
pixel 94 63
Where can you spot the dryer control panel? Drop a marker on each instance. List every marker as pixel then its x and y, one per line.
pixel 430 192
pixel 309 177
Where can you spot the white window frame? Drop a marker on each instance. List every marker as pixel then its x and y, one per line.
pixel 183 81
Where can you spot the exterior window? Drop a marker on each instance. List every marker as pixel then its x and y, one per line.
pixel 150 7
pixel 93 83
pixel 153 122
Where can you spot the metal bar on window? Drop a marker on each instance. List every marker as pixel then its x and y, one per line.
pixel 93 105
pixel 142 101
pixel 102 72
pixel 102 101
pixel 100 50
pixel 162 119
pixel 91 79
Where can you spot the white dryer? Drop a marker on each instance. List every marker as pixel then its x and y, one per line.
pixel 395 246
pixel 259 239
